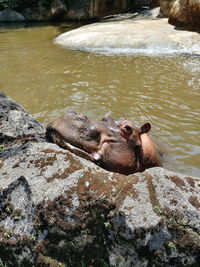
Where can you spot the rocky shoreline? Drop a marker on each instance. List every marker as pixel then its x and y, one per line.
pixel 60 10
pixel 180 13
pixel 57 209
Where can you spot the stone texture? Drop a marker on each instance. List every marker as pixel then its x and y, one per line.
pixel 15 122
pixel 58 8
pixel 76 9
pixel 182 12
pixel 154 3
pixel 101 8
pixel 165 6
pixel 141 35
pixel 9 15
pixel 57 209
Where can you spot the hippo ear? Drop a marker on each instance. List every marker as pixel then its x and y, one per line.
pixel 107 117
pixel 145 128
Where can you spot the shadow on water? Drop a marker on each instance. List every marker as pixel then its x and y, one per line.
pixel 9 26
pixel 64 27
pixel 61 26
pixel 186 28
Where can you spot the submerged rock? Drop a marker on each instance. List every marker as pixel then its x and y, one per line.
pixel 57 209
pixel 139 35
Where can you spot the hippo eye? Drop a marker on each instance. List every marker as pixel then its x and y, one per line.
pixel 128 129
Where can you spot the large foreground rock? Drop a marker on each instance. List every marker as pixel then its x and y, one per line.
pixel 57 209
pixel 132 36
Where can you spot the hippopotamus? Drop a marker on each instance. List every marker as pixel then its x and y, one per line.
pixel 116 145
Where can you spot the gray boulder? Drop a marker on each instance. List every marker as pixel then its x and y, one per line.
pixel 136 35
pixel 9 15
pixel 182 13
pixel 57 209
pixel 58 8
pixel 15 122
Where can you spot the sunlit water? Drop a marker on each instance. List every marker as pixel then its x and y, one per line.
pixel 164 90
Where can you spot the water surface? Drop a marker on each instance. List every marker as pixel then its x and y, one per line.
pixel 164 90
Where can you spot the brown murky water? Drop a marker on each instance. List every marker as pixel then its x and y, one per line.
pixel 47 80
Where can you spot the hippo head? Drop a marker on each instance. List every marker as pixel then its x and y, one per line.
pixel 112 144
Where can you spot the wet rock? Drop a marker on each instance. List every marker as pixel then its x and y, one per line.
pixel 119 17
pixel 150 13
pixel 9 15
pixel 57 209
pixel 138 35
pixel 141 13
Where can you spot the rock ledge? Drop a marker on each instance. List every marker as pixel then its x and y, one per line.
pixel 57 209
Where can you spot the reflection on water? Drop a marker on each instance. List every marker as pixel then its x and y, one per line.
pixel 47 80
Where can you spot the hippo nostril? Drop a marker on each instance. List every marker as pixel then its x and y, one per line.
pixel 95 135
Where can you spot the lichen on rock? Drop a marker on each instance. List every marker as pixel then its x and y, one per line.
pixel 57 209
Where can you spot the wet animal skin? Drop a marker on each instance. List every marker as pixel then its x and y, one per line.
pixel 114 144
